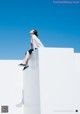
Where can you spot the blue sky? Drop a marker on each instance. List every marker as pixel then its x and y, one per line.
pixel 58 25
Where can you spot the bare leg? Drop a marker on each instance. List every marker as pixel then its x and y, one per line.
pixel 27 57
pixel 25 60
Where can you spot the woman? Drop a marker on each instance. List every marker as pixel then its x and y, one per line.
pixel 34 44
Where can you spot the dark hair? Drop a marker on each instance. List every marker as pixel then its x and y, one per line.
pixel 36 32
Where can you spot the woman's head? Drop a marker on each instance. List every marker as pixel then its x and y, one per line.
pixel 34 32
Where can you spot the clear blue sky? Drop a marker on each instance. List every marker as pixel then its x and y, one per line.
pixel 58 25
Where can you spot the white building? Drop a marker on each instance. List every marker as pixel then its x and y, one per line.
pixel 51 83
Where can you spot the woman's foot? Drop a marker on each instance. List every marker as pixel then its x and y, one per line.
pixel 21 64
pixel 25 67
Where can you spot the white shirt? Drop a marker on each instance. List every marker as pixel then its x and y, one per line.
pixel 36 42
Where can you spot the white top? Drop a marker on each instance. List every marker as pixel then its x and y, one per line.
pixel 36 42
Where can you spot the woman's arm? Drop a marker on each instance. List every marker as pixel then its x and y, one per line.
pixel 34 44
pixel 31 46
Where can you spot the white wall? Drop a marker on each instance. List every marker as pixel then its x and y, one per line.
pixel 59 86
pixel 11 78
pixel 52 79
pixel 31 86
pixel 51 83
pixel 77 62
